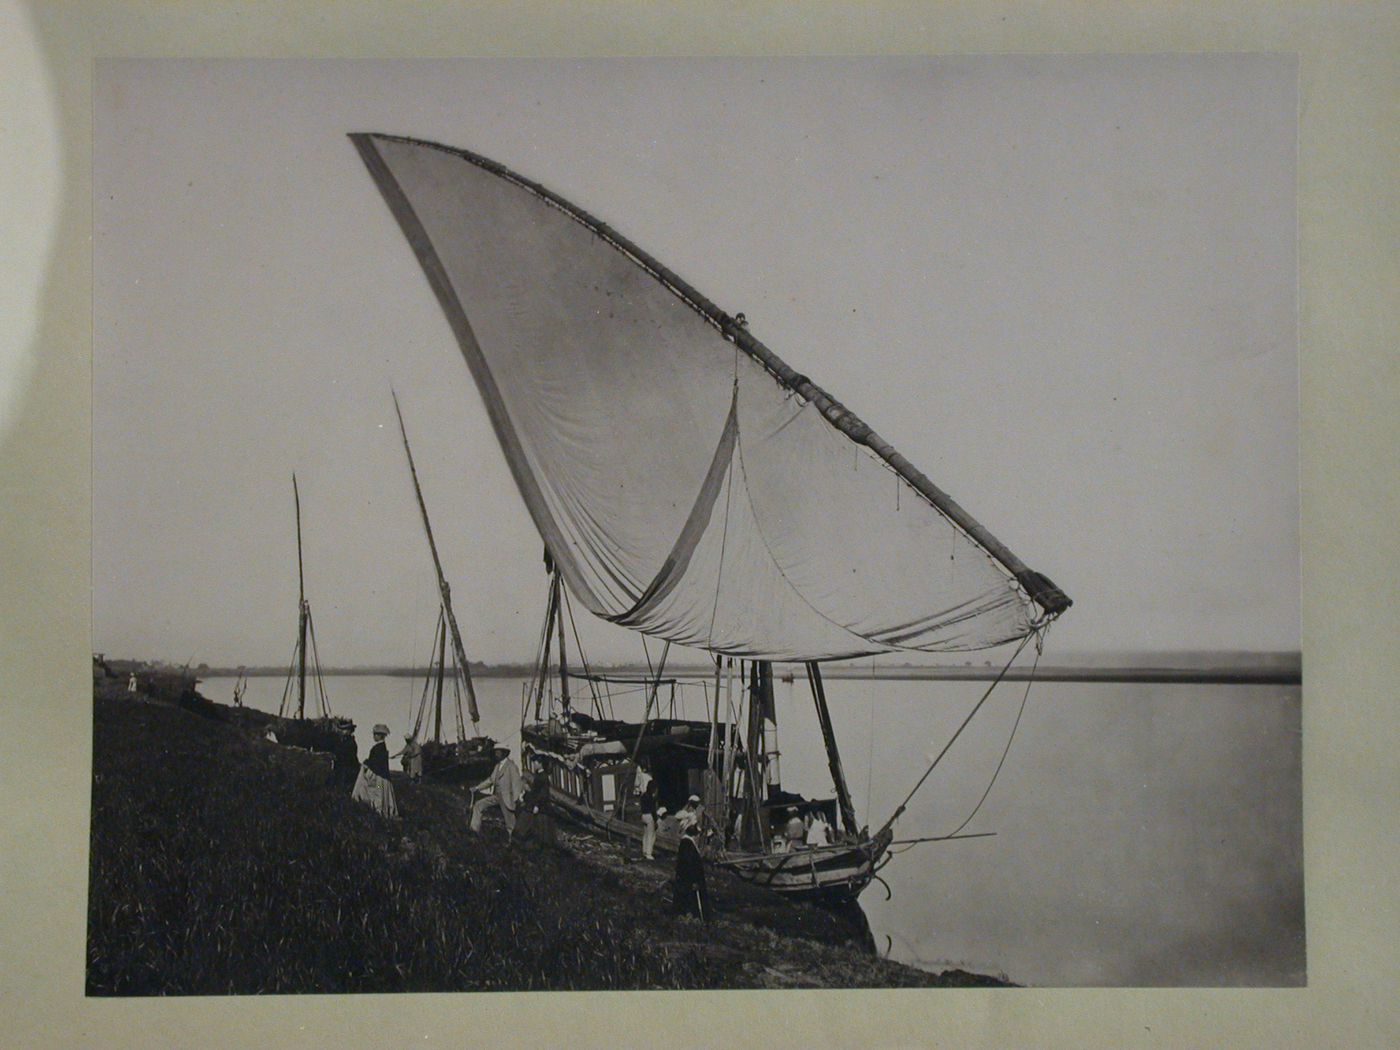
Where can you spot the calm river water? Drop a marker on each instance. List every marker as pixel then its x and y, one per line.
pixel 1145 834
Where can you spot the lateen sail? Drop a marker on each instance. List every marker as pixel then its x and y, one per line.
pixel 687 483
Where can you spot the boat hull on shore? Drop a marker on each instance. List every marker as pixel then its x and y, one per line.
pixel 591 783
pixel 468 762
pixel 827 874
pixel 822 874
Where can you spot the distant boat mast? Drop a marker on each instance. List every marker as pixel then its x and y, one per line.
pixel 303 612
pixel 306 639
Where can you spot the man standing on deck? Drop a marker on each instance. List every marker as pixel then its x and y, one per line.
pixel 504 785
pixel 648 806
pixel 692 897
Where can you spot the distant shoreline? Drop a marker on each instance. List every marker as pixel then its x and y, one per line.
pixel 1258 675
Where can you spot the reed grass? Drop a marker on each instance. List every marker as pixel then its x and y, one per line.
pixel 221 863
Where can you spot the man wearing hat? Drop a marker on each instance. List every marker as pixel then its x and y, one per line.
pixel 504 787
pixel 691 896
pixel 690 816
pixel 412 757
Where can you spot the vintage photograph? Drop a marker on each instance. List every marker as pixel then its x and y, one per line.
pixel 706 523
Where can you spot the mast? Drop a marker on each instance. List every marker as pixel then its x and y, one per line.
pixel 545 643
pixel 301 611
pixel 753 799
pixel 458 650
pixel 563 657
pixel 731 725
pixel 833 757
pixel 712 748
pixel 442 670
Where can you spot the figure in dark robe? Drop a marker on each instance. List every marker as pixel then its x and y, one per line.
pixel 692 896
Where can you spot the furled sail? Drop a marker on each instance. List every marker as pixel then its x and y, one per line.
pixel 687 483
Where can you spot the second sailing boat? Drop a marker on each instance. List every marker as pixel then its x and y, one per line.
pixel 469 757
pixel 323 731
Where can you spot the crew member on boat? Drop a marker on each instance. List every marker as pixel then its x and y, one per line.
pixel 504 787
pixel 412 757
pixel 692 897
pixel 648 808
pixel 818 831
pixel 796 831
pixel 691 815
pixel 372 787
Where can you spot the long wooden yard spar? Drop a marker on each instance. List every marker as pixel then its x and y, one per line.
pixel 457 648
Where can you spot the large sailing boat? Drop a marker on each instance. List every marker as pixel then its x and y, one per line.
pixel 691 486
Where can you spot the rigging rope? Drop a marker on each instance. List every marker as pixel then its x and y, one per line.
pixel 542 656
pixel 1039 649
pixel 412 663
pixel 287 685
pixel 423 699
pixel 971 714
pixel 316 660
pixel 582 656
pixel 428 674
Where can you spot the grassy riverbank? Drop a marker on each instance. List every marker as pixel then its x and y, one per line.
pixel 222 863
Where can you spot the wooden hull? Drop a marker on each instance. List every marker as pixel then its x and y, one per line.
pixel 331 735
pixel 826 874
pixel 829 874
pixel 449 769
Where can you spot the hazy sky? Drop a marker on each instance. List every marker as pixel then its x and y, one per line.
pixel 1063 286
